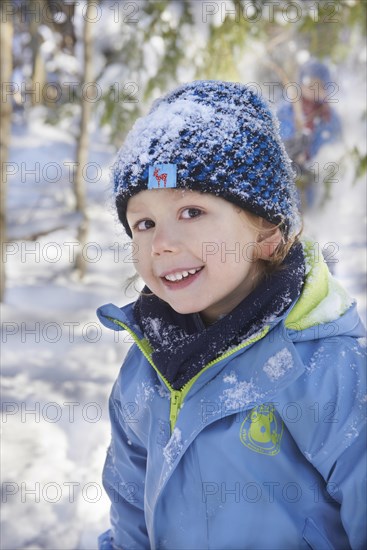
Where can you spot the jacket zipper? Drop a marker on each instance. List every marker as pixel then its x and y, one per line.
pixel 176 402
pixel 177 396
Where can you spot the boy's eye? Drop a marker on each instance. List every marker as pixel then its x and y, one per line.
pixel 188 213
pixel 143 225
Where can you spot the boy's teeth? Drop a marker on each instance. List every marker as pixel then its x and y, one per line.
pixel 180 275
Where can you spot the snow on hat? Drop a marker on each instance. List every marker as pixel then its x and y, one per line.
pixel 212 137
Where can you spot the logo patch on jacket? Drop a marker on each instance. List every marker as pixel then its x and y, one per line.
pixel 262 431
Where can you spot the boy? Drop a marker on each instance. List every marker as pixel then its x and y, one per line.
pixel 236 417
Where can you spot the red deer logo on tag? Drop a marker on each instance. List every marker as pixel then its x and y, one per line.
pixel 160 177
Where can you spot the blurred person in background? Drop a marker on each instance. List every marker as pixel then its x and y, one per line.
pixel 309 124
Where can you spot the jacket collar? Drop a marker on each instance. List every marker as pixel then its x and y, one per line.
pixel 119 318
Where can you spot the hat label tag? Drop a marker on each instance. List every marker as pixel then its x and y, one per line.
pixel 162 176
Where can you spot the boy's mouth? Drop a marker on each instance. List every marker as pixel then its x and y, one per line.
pixel 179 275
pixel 181 278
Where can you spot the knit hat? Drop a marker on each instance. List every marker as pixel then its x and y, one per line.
pixel 212 137
pixel 314 69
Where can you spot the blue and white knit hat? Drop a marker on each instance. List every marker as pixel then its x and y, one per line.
pixel 212 137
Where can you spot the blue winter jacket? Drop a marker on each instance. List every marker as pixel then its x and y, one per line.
pixel 263 449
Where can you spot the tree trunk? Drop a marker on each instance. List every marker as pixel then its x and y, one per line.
pixel 83 142
pixel 38 78
pixel 6 57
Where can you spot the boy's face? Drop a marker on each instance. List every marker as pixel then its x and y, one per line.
pixel 314 89
pixel 195 251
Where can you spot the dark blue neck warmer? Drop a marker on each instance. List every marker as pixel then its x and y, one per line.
pixel 183 344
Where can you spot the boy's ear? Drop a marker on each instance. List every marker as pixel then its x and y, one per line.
pixel 268 242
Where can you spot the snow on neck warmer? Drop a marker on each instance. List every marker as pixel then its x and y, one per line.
pixel 182 344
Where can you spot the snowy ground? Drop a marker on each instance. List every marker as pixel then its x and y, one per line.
pixel 58 365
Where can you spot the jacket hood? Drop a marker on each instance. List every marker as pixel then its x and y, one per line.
pixel 323 303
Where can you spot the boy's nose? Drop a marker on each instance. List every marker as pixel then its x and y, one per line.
pixel 164 241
